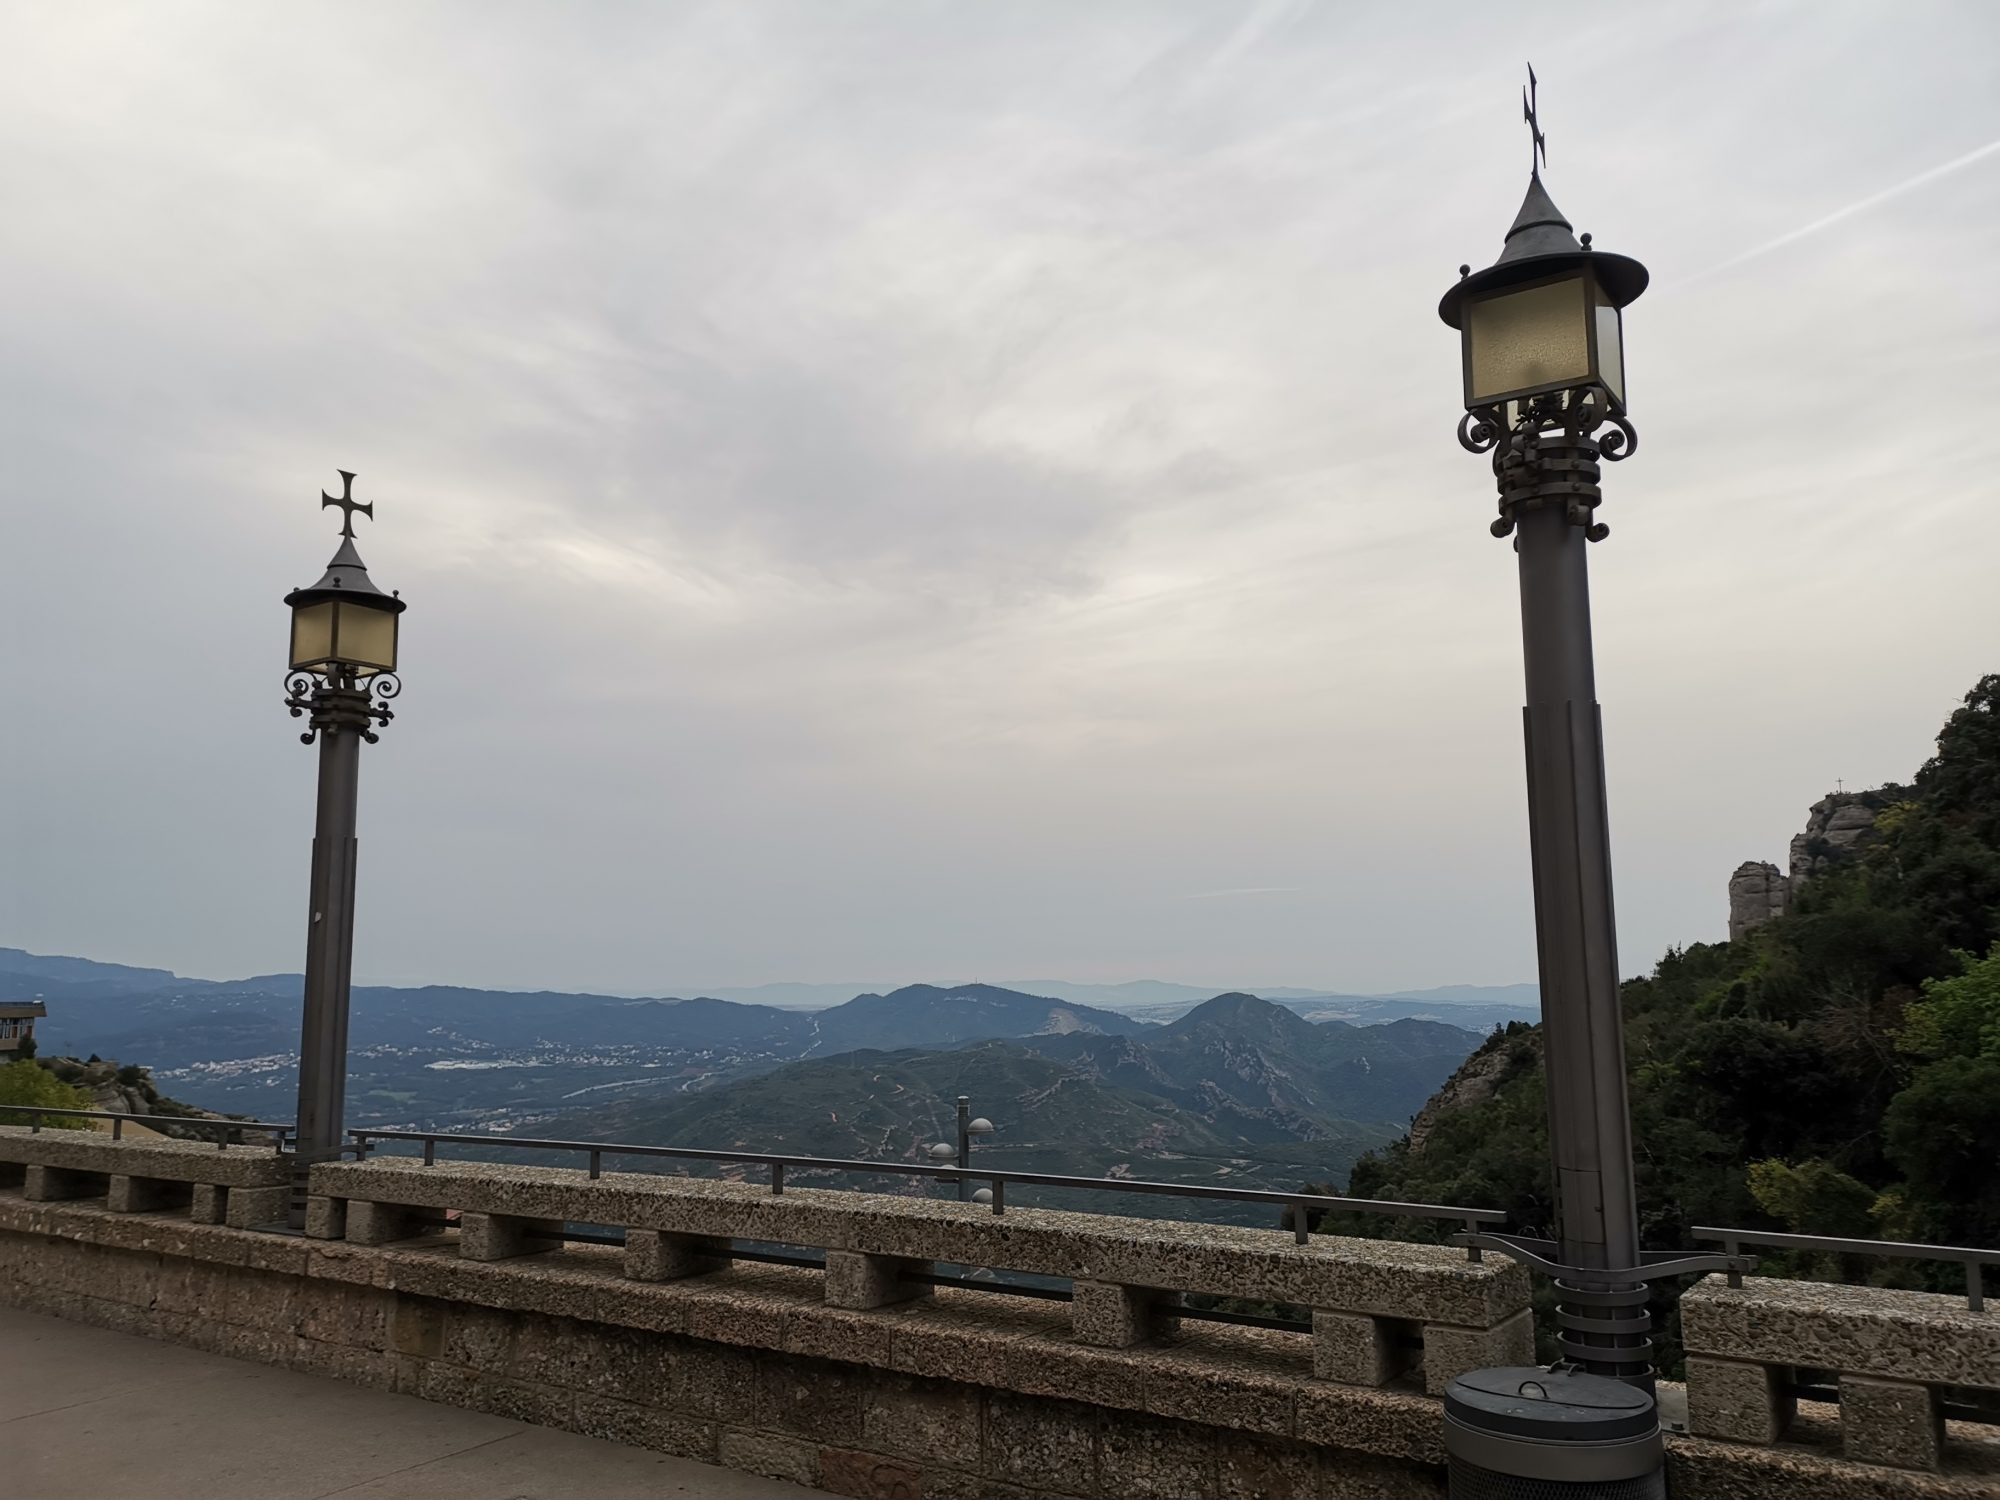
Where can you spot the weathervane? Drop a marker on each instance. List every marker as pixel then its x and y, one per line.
pixel 1538 150
pixel 348 504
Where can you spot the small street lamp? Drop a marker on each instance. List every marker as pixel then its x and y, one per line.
pixel 342 672
pixel 962 1151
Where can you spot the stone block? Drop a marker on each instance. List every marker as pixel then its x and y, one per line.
pixel 377 1223
pixel 923 1419
pixel 1239 1396
pixel 1449 1352
pixel 255 1207
pixel 718 1382
pixel 326 1218
pixel 501 1237
pixel 640 1426
pixel 417 1327
pixel 814 1400
pixel 1926 1337
pixel 207 1203
pixel 1737 1401
pixel 165 1158
pixel 773 1457
pixel 1042 1445
pixel 144 1195
pixel 866 1476
pixel 1891 1422
pixel 657 1255
pixel 40 1184
pixel 864 1281
pixel 1254 1469
pixel 858 1338
pixel 1147 1460
pixel 1356 1349
pixel 1111 1316
pixel 1354 1476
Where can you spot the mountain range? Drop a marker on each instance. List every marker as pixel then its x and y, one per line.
pixel 1240 1092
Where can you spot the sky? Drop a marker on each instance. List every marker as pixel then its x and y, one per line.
pixel 942 492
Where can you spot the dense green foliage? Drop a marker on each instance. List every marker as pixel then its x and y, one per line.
pixel 28 1082
pixel 1837 1071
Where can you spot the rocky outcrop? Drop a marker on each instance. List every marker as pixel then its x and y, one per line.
pixel 1839 824
pixel 1758 891
pixel 1477 1080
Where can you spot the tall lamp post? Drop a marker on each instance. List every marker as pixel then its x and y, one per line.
pixel 1543 338
pixel 1543 343
pixel 342 673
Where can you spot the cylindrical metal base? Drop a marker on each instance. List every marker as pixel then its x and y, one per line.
pixel 1468 1481
pixel 1531 1434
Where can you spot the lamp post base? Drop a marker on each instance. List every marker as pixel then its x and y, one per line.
pixel 1533 1434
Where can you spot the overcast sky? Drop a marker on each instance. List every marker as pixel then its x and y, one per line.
pixel 903 491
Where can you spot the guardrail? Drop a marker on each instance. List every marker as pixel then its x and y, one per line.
pixel 281 1135
pixel 1969 1257
pixel 1298 1204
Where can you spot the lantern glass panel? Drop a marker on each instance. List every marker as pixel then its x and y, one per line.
pixel 367 637
pixel 1611 351
pixel 1535 338
pixel 312 635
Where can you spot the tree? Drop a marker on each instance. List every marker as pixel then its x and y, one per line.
pixel 1943 1131
pixel 1963 779
pixel 1957 1017
pixel 31 1084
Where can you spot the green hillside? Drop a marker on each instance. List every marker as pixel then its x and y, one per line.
pixel 1837 1071
pixel 891 1106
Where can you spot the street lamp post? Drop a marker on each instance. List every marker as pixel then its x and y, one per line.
pixel 1543 347
pixel 342 673
pixel 961 1153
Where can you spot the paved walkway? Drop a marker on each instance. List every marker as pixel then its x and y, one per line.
pixel 85 1413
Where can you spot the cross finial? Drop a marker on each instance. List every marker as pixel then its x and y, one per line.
pixel 1538 147
pixel 348 504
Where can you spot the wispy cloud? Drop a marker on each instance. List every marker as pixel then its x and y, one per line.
pixel 1860 206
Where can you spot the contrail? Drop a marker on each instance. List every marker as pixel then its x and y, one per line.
pixel 1908 185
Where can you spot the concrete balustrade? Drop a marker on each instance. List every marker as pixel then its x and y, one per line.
pixel 242 1185
pixel 1380 1307
pixel 867 1381
pixel 1893 1353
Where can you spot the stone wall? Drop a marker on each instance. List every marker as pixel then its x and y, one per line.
pixel 953 1397
pixel 807 1374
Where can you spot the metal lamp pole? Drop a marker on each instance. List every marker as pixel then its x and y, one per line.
pixel 1544 375
pixel 344 639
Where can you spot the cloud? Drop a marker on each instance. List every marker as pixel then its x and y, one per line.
pixel 917 490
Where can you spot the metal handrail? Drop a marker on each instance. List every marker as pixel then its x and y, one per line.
pixel 280 1134
pixel 1298 1203
pixel 1968 1256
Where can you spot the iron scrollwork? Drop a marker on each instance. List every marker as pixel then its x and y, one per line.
pixel 342 703
pixel 1546 451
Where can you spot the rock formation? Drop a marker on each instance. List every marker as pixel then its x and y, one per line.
pixel 1758 891
pixel 1836 825
pixel 1839 823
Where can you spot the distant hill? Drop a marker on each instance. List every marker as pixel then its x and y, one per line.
pixel 1267 1060
pixel 892 1105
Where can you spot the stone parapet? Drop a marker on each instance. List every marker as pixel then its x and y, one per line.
pixel 152 1158
pixel 952 1396
pixel 1419 1284
pixel 1892 1351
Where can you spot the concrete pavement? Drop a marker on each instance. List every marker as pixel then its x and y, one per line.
pixel 85 1413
